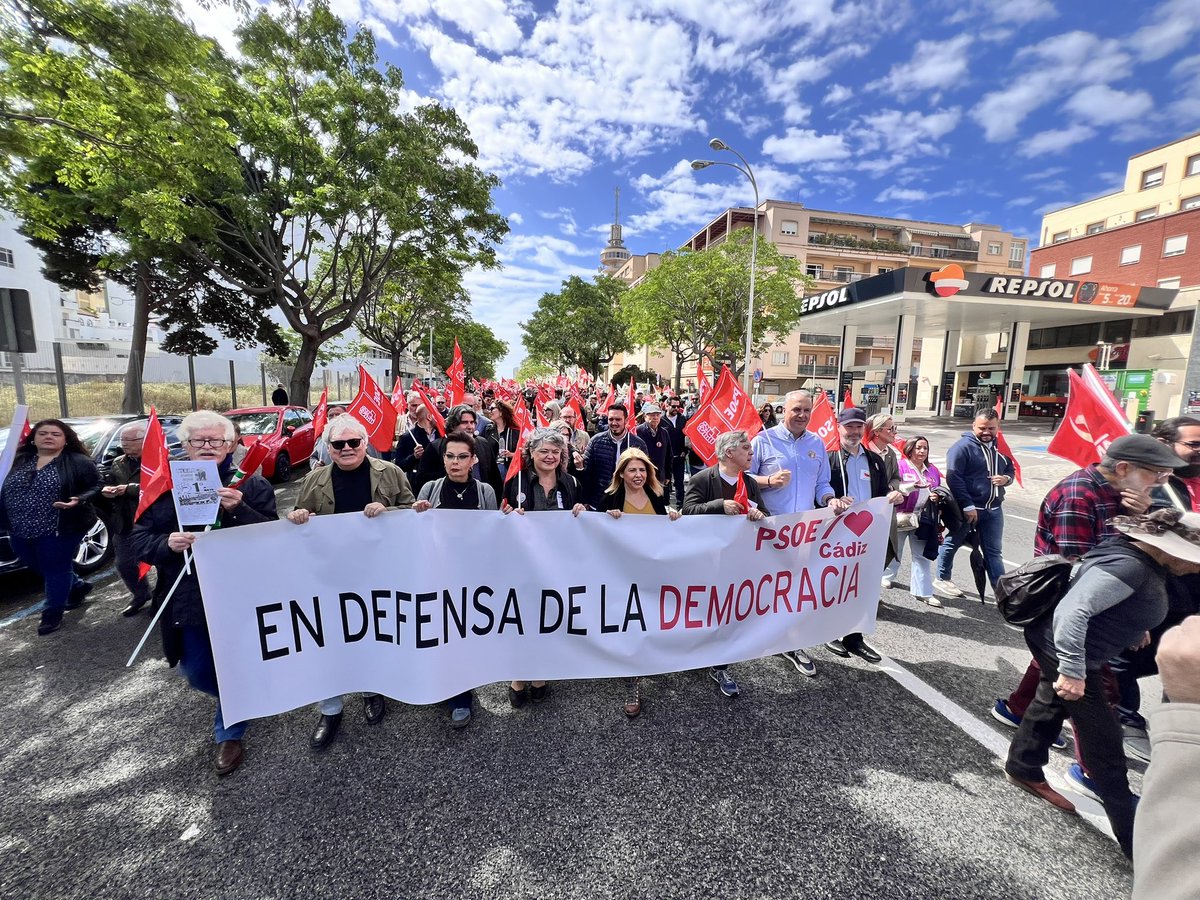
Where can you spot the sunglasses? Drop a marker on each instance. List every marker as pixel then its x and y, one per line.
pixel 352 443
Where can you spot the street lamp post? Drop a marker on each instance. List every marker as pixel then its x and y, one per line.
pixel 718 144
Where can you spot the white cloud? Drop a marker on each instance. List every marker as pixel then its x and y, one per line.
pixel 515 218
pixel 837 94
pixel 1173 25
pixel 902 195
pixel 935 66
pixel 1056 140
pixel 1098 104
pixel 911 132
pixel 488 22
pixel 1021 201
pixel 1019 12
pixel 803 145
pixel 1045 173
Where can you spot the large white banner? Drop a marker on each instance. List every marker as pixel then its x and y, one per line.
pixel 422 606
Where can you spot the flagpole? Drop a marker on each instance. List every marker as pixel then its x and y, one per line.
pixel 187 562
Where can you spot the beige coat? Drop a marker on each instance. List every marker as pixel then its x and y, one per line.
pixel 389 486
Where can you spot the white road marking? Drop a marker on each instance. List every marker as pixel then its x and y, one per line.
pixel 1022 518
pixel 1089 810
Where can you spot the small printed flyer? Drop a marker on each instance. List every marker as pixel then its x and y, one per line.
pixel 195 484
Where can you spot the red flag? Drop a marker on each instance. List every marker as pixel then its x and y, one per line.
pixel 726 407
pixel 823 423
pixel 256 455
pixel 155 479
pixel 458 377
pixel 321 415
pixel 1003 448
pixel 609 399
pixel 399 404
pixel 524 427
pixel 1100 390
pixel 373 408
pixel 848 401
pixel 631 399
pixel 702 380
pixel 741 496
pixel 434 416
pixel 1089 425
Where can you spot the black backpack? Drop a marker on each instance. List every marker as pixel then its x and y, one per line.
pixel 1032 591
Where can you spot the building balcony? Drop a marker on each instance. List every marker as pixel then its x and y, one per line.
pixel 837 277
pixel 816 371
pixel 861 245
pixel 964 253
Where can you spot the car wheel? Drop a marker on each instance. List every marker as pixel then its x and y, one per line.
pixel 283 468
pixel 95 550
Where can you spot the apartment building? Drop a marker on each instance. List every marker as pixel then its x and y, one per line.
pixel 837 248
pixel 1148 234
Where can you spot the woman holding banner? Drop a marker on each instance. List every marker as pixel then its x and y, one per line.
pixel 543 484
pixel 635 490
pixel 354 483
pixel 158 540
pixel 458 490
pixel 46 509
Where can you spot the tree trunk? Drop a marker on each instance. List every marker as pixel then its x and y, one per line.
pixel 395 364
pixel 678 373
pixel 132 400
pixel 306 361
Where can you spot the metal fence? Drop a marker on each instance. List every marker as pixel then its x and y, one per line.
pixel 69 379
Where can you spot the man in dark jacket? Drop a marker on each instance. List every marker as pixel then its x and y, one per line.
pixel 158 539
pixel 600 458
pixel 674 421
pixel 855 475
pixel 657 438
pixel 977 474
pixel 279 396
pixel 431 466
pixel 712 492
pixel 122 489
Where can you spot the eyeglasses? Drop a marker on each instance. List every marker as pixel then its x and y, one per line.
pixel 197 443
pixel 456 457
pixel 352 443
pixel 1158 475
pixel 1191 445
pixel 547 451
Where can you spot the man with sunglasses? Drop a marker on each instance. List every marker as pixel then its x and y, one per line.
pixel 674 421
pixel 353 484
pixel 1182 490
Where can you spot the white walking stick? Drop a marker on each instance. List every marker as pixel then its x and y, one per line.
pixel 187 567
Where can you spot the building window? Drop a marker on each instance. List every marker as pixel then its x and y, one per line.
pixel 806 359
pixel 813 271
pixel 995 248
pixel 1081 265
pixel 779 357
pixel 1175 246
pixel 1152 178
pixel 1145 214
pixel 831 360
pixel 882 270
pixel 789 228
pixel 1178 322
pixel 843 273
pixel 1169 283
pixel 1061 236
pixel 1095 228
pixel 1048 271
pixel 1193 166
pixel 1131 255
pixel 1190 203
pixel 1017 253
pixel 6 258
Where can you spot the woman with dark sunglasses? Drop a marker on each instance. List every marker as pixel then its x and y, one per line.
pixel 353 484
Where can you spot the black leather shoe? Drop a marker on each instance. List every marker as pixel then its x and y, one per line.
pixel 79 590
pixel 539 694
pixel 325 732
pixel 837 648
pixel 865 651
pixel 51 622
pixel 134 607
pixel 517 699
pixel 373 707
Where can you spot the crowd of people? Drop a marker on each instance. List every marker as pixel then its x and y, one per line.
pixel 1130 524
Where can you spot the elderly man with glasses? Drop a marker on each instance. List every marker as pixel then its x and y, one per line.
pixel 122 490
pixel 354 483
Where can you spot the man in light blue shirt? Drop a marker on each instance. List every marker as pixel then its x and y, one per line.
pixel 791 467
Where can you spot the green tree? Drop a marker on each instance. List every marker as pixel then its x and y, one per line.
pixel 581 325
pixel 109 121
pixel 532 369
pixel 336 179
pixel 695 302
pixel 480 347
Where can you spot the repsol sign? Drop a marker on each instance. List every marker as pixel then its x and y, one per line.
pixel 1031 287
pixel 827 300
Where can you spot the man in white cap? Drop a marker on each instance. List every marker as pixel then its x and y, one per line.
pixel 658 440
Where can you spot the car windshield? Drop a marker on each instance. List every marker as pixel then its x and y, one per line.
pixel 92 433
pixel 256 423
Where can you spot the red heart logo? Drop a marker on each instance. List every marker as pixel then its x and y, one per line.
pixel 859 522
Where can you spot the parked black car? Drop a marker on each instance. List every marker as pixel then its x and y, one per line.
pixel 101 435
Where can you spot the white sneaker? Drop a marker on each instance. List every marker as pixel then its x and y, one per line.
pixel 929 601
pixel 949 588
pixel 1137 743
pixel 886 582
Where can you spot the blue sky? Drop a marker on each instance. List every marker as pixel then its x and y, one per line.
pixel 972 110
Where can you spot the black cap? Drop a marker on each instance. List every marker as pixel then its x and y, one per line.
pixel 1144 451
pixel 852 414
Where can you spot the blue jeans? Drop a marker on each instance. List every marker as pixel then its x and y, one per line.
pixel 990 526
pixel 197 666
pixel 53 557
pixel 333 706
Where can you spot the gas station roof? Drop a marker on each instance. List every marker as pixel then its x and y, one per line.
pixel 948 299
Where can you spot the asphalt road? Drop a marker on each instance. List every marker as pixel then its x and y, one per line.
pixel 846 785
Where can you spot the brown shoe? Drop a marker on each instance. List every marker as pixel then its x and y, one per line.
pixel 228 758
pixel 1043 790
pixel 633 703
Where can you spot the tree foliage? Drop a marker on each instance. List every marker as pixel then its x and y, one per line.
pixel 480 347
pixel 581 325
pixel 531 369
pixel 695 302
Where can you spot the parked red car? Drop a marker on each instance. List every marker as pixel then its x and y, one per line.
pixel 288 431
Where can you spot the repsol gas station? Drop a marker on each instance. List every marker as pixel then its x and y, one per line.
pixel 974 330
